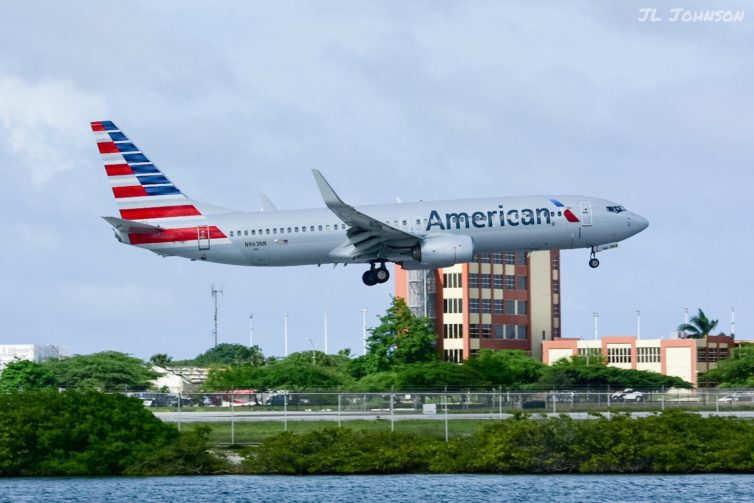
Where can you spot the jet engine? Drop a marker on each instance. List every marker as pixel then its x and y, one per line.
pixel 444 251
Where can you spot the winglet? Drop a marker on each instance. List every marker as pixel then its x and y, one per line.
pixel 266 203
pixel 328 194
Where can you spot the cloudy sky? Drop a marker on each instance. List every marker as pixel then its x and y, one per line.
pixel 419 100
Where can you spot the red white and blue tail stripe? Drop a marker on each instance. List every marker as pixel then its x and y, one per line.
pixel 143 193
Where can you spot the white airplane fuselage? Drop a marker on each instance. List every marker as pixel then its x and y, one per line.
pixel 286 238
pixel 156 215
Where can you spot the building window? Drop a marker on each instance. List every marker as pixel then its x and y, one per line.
pixel 521 282
pixel 498 306
pixel 591 352
pixel 618 355
pixel 452 306
pixel 485 280
pixel 521 331
pixel 497 258
pixel 510 258
pixel 648 354
pixel 510 331
pixel 484 259
pixel 474 331
pixel 556 310
pixel 473 280
pixel 555 286
pixel 521 258
pixel 473 305
pixel 510 282
pixel 497 281
pixel 486 331
pixel 555 263
pixel 521 308
pixel 486 308
pixel 499 331
pixel 510 307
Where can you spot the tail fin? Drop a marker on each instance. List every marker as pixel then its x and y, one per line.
pixel 141 190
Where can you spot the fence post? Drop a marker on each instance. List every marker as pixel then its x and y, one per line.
pixel 392 419
pixel 445 399
pixel 232 418
pixel 500 402
pixel 285 410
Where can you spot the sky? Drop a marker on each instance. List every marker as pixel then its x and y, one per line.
pixel 416 100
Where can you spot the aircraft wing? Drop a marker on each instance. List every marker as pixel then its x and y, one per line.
pixel 368 238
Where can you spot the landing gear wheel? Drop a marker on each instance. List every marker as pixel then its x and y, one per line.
pixel 381 274
pixel 369 277
pixel 594 263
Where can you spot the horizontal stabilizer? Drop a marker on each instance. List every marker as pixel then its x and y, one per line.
pixel 130 227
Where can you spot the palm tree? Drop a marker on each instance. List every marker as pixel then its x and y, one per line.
pixel 160 359
pixel 699 326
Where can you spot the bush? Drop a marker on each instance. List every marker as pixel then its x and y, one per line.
pixel 89 433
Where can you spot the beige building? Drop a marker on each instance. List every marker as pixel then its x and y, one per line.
pixel 684 358
pixel 507 300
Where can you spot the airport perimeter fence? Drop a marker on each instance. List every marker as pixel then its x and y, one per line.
pixel 247 416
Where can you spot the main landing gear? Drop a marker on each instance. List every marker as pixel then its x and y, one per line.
pixel 593 260
pixel 376 275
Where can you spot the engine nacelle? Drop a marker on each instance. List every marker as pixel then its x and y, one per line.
pixel 444 251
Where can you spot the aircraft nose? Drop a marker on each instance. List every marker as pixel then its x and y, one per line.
pixel 638 222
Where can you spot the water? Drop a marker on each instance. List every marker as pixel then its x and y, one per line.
pixel 393 488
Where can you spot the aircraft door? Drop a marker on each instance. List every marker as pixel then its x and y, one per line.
pixel 586 214
pixel 203 236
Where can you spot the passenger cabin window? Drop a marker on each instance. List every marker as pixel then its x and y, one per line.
pixel 253 232
pixel 319 227
pixel 289 230
pixel 231 233
pixel 246 232
pixel 267 231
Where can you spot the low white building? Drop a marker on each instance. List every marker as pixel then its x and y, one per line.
pixel 180 379
pixel 34 352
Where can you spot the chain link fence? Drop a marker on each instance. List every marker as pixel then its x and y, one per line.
pixel 247 416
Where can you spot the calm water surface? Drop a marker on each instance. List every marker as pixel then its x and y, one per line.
pixel 430 488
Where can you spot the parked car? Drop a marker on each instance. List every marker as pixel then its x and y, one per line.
pixel 627 395
pixel 737 397
pixel 292 400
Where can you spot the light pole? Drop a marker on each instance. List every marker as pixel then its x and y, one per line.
pixel 596 317
pixel 285 334
pixel 364 329
pixel 638 325
pixel 251 331
pixel 314 354
pixel 326 331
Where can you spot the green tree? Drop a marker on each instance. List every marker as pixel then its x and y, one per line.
pixel 401 338
pixel 235 377
pixel 509 368
pixel 228 354
pixel 105 371
pixel 437 375
pixel 699 326
pixel 160 360
pixel 26 375
pixel 299 376
pixel 737 372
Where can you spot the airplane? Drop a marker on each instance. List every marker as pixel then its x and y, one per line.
pixel 157 216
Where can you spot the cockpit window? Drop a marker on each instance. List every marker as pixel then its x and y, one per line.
pixel 616 209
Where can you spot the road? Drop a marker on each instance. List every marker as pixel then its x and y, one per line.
pixel 246 416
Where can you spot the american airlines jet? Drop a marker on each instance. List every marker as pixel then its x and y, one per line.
pixel 157 216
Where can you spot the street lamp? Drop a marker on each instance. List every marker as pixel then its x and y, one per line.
pixel 314 355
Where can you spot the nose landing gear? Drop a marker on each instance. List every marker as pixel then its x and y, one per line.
pixel 376 275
